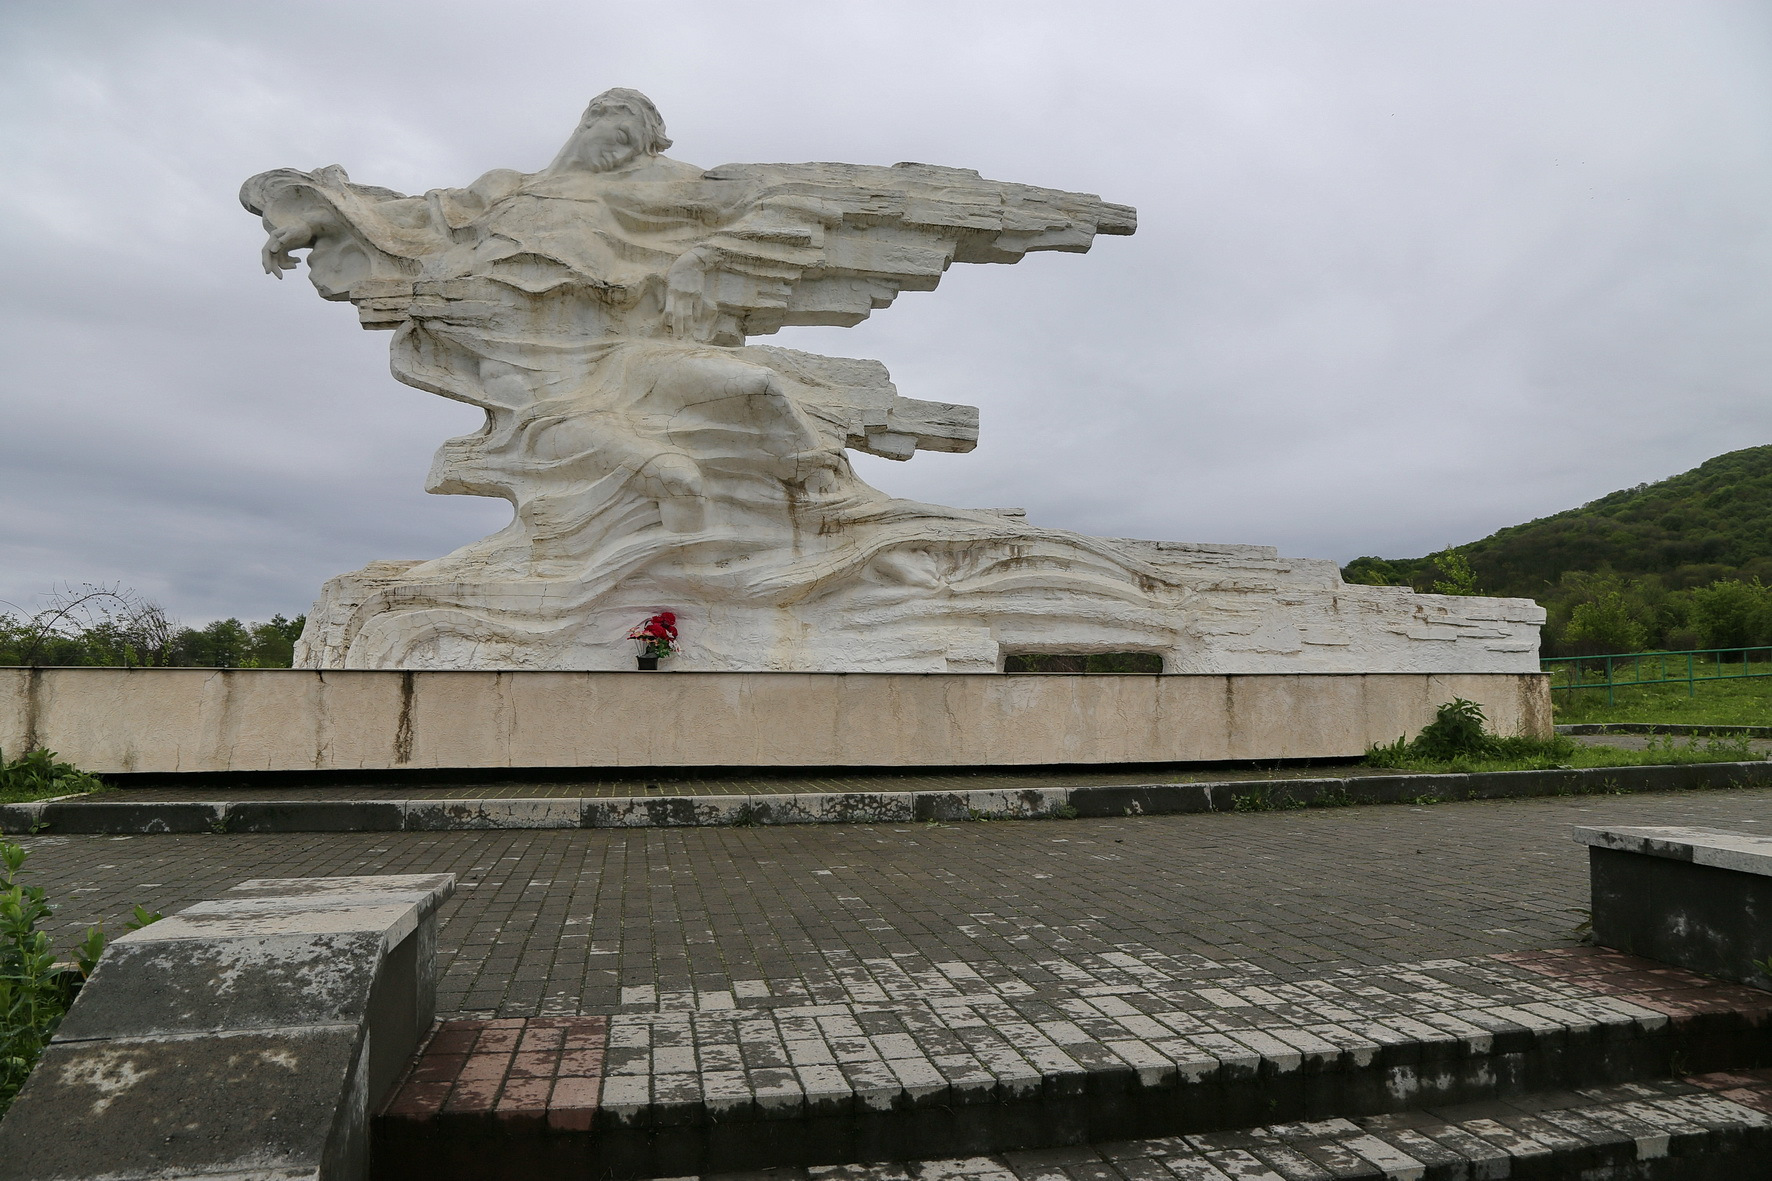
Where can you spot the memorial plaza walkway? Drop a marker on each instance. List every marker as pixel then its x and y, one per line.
pixel 912 970
pixel 550 922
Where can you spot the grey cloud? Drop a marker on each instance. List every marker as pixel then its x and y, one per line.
pixel 1405 273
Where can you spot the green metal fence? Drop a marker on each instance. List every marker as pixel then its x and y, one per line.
pixel 1625 669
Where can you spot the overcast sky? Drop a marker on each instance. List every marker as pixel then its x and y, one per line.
pixel 1405 272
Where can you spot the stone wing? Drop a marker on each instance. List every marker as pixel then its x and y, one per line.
pixel 826 244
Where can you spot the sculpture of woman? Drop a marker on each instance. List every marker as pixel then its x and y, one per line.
pixel 597 311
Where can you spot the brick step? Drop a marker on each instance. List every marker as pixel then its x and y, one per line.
pixel 662 1092
pixel 1706 1128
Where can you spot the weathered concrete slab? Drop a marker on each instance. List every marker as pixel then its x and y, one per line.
pixel 250 1035
pixel 241 982
pixel 242 1103
pixel 1699 898
pixel 1743 852
pixel 166 720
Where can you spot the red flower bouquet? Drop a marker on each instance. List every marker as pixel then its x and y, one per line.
pixel 657 637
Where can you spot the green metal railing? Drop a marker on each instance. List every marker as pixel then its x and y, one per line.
pixel 1667 668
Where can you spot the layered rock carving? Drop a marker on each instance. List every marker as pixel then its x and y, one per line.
pixel 598 312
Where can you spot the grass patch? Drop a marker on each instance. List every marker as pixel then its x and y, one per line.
pixel 1458 741
pixel 39 775
pixel 1662 750
pixel 1745 702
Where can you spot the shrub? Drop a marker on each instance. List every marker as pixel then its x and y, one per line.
pixel 1457 732
pixel 35 991
pixel 36 774
pixel 1460 731
pixel 1606 624
pixel 1733 614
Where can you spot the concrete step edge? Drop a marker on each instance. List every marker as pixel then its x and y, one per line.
pixel 647 1124
pixel 1710 1128
pixel 394 814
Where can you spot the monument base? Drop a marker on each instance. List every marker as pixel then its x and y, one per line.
pixel 160 720
pixel 964 600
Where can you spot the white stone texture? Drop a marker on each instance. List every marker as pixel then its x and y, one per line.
pixel 598 310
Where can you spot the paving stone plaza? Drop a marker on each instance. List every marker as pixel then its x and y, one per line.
pixel 548 923
pixel 946 966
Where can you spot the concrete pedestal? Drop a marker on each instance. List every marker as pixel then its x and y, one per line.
pixel 251 1036
pixel 1694 897
pixel 113 721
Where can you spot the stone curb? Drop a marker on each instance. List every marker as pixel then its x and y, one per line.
pixel 101 817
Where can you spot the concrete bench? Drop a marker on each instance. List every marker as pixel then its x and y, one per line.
pixel 1694 897
pixel 251 1036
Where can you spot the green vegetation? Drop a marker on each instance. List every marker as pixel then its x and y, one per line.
pixel 1713 703
pixel 37 775
pixel 1459 734
pixel 1457 740
pixel 1662 750
pixel 112 626
pixel 1679 564
pixel 35 991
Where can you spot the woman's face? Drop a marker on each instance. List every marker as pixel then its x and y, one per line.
pixel 607 138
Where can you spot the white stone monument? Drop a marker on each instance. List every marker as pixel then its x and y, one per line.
pixel 597 311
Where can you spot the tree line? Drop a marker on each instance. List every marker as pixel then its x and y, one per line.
pixel 113 626
pixel 1679 564
pixel 1589 613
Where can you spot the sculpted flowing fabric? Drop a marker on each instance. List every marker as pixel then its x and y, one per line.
pixel 597 311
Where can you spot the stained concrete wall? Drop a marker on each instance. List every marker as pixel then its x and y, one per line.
pixel 112 721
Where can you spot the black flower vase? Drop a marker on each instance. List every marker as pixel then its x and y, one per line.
pixel 648 663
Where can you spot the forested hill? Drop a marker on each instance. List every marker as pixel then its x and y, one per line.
pixel 1712 522
pixel 1649 546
